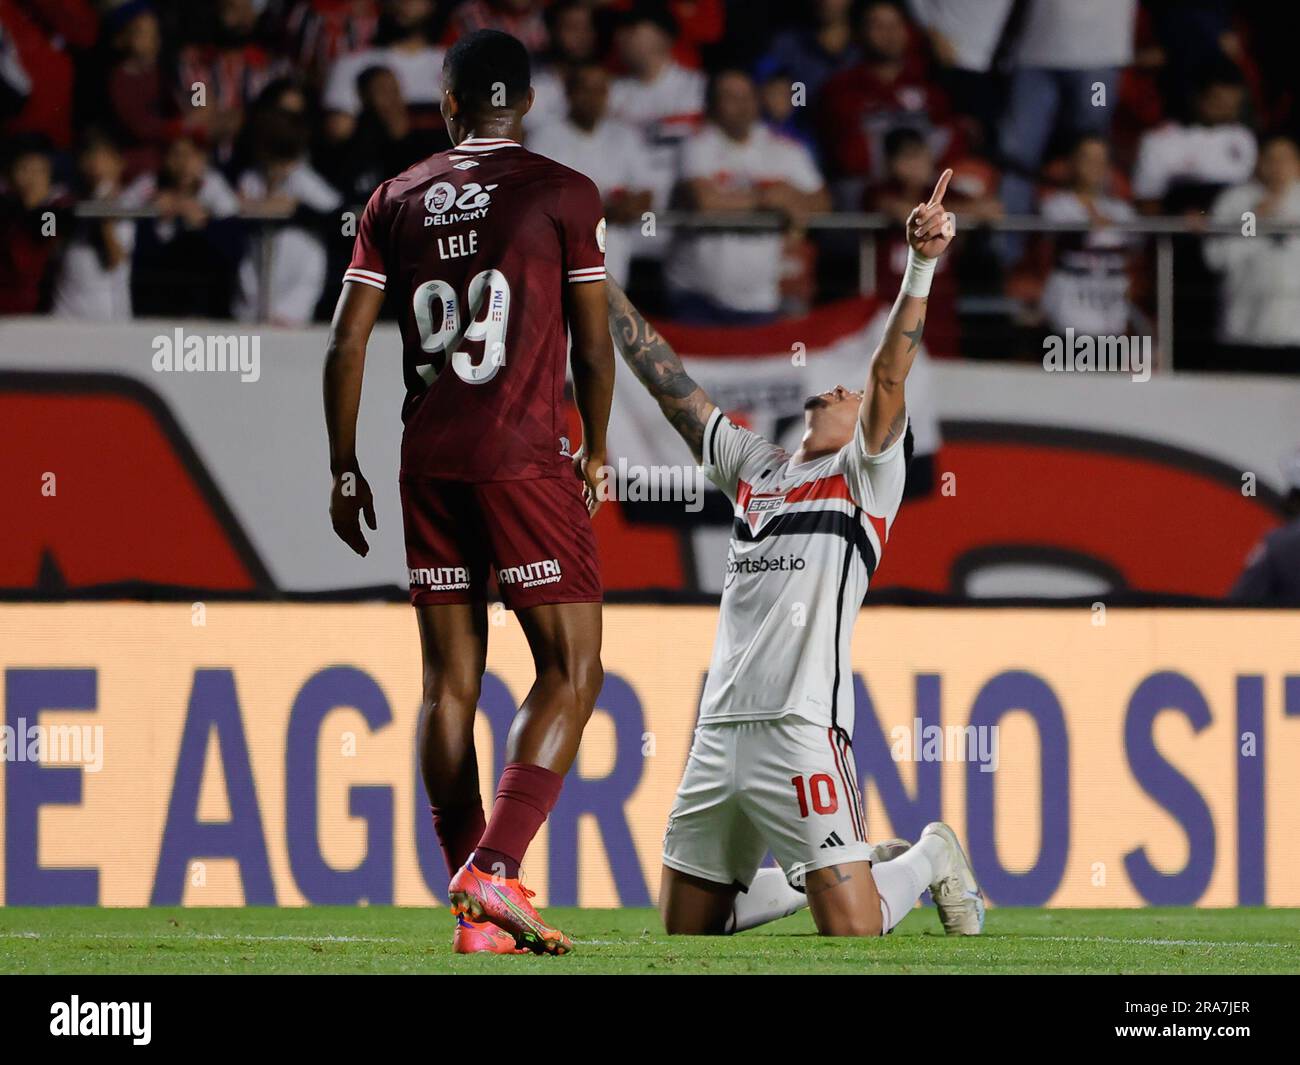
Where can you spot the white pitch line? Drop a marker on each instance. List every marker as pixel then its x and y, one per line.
pixel 190 936
pixel 1155 942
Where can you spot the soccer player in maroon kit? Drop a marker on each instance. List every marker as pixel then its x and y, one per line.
pixel 494 255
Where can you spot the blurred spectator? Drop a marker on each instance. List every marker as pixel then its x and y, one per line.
pixel 1260 303
pixel 736 164
pixel 15 82
pixel 317 32
pixel 285 95
pixel 699 23
pixel 1272 573
pixel 1087 289
pixel 812 54
pixel 407 48
pixel 94 276
pixel 385 141
pixel 573 40
pixel 1182 166
pixel 964 37
pixel 32 215
pixel 1066 58
pixel 283 186
pixel 776 100
pixel 522 19
pixel 886 90
pixel 39 40
pixel 607 151
pixel 911 173
pixel 658 96
pixel 140 96
pixel 230 73
pixel 185 258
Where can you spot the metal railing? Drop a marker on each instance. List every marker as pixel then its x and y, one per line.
pixel 868 227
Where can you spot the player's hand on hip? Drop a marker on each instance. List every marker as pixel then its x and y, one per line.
pixel 349 500
pixel 930 228
pixel 593 471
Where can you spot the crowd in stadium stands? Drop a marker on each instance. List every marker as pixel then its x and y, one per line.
pixel 218 114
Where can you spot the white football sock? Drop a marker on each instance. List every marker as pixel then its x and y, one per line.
pixel 770 897
pixel 900 882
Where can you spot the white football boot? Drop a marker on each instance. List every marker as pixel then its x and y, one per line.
pixel 955 890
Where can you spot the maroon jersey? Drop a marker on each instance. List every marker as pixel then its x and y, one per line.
pixel 478 244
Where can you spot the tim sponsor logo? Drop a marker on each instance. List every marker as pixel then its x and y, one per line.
pixel 134 1019
pixel 531 574
pixel 440 578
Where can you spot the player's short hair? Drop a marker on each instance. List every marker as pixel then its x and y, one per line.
pixel 481 63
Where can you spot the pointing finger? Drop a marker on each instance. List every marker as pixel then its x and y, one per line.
pixel 936 197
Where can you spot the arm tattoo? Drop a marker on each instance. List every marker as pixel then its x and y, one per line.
pixel 895 429
pixel 914 335
pixel 653 360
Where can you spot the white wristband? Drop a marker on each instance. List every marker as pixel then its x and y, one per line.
pixel 918 275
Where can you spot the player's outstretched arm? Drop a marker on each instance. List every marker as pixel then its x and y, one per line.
pixel 592 360
pixel 345 362
pixel 684 403
pixel 930 230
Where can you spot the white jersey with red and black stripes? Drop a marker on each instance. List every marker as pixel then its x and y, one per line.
pixel 806 541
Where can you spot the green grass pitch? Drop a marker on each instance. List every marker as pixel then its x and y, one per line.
pixel 392 940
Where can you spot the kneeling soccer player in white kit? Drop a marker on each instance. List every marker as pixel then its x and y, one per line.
pixel 771 766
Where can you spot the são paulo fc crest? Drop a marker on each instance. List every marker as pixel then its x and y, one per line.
pixel 761 508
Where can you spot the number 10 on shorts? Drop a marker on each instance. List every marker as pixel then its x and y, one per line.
pixel 820 790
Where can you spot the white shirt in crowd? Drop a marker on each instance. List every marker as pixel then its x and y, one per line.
pixel 1175 153
pixel 1077 34
pixel 1087 289
pixel 1260 301
pixel 215 195
pixel 298 256
pixel 613 156
pixel 419 75
pixel 665 111
pixel 85 288
pixel 972 27
pixel 735 270
pixel 549 100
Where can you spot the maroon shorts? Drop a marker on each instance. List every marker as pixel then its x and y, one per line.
pixel 536 534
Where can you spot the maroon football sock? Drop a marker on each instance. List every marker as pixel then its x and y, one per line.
pixel 524 798
pixel 459 829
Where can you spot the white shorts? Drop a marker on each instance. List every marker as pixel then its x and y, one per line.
pixel 786 785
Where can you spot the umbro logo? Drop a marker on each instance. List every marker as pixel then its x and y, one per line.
pixel 833 840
